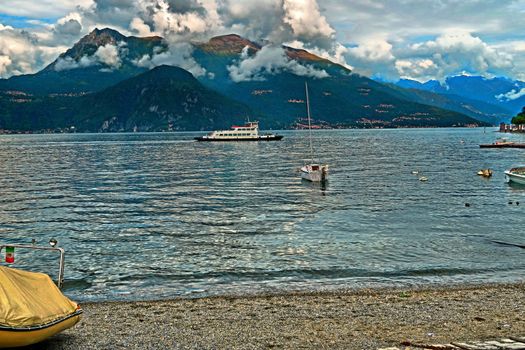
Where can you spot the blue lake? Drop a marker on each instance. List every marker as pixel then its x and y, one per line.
pixel 150 216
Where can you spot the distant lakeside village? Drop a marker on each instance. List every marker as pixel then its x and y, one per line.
pixel 517 123
pixel 511 127
pixel 299 125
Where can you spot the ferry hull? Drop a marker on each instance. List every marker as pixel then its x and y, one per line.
pixel 238 139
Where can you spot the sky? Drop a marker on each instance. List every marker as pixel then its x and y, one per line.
pixel 383 39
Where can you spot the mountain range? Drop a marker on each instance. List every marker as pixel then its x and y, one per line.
pixel 497 96
pixel 111 82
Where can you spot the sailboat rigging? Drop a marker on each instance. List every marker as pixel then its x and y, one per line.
pixel 313 171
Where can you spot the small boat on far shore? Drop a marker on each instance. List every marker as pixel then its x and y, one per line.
pixel 516 175
pixel 503 143
pixel 247 132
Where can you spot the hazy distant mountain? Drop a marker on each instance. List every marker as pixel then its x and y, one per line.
pixel 480 110
pixel 102 83
pixel 505 94
pixel 431 85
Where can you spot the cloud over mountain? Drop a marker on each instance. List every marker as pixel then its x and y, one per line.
pixel 269 60
pixel 452 52
pixel 514 94
pixel 386 38
pixel 177 54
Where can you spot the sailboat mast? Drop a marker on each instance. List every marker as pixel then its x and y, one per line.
pixel 309 122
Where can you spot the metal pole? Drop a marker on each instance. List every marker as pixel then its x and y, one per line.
pixel 60 281
pixel 309 123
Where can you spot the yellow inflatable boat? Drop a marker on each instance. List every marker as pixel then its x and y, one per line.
pixel 32 308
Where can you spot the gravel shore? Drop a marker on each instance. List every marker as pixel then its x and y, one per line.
pixel 365 319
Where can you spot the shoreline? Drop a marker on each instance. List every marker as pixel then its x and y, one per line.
pixel 349 319
pixel 407 127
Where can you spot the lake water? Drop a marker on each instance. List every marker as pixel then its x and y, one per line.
pixel 149 216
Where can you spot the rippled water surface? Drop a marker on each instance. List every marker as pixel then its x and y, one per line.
pixel 146 216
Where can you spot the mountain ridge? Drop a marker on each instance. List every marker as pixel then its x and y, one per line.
pixel 492 91
pixel 106 59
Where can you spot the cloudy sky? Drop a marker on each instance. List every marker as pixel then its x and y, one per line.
pixel 387 39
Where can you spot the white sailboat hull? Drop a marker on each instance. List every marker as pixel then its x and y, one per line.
pixel 314 173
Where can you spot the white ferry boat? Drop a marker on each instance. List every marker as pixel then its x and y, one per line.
pixel 247 132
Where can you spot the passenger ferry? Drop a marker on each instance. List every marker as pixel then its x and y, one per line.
pixel 247 132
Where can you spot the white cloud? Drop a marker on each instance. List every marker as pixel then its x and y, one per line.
pixel 269 60
pixel 389 38
pixel 403 23
pixel 451 54
pixel 306 21
pixel 20 52
pixel 68 63
pixel 65 31
pixel 5 62
pixel 192 20
pixel 511 95
pixel 371 56
pixel 176 20
pixel 335 54
pixel 2 27
pixel 109 55
pixel 41 8
pixel 423 69
pixel 177 54
pixel 139 27
pixel 373 50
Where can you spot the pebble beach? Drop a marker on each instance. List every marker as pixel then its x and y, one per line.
pixel 359 319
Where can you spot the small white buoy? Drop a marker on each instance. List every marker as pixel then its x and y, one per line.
pixel 415 172
pixel 423 178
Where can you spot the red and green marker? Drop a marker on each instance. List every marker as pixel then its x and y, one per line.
pixel 10 255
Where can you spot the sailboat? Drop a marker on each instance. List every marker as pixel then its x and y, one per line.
pixel 313 171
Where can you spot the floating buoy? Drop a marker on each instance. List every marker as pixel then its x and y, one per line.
pixel 485 172
pixel 415 172
pixel 423 178
pixel 467 205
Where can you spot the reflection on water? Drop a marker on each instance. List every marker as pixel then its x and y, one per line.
pixel 158 215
